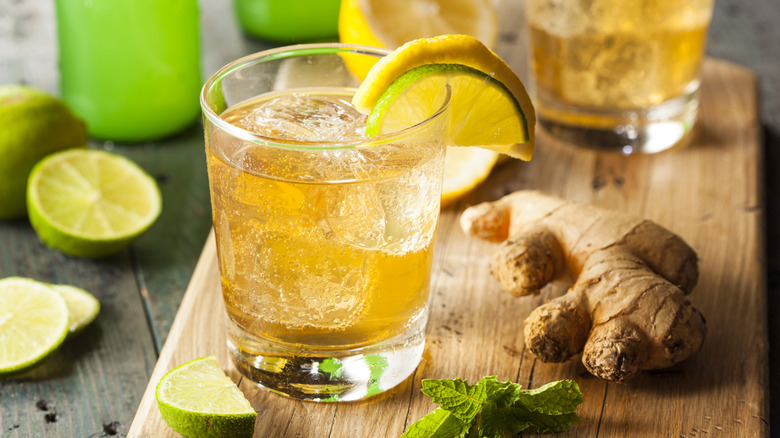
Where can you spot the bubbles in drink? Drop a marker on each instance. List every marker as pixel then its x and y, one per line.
pixel 329 246
pixel 616 54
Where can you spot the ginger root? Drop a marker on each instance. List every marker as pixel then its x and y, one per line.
pixel 627 310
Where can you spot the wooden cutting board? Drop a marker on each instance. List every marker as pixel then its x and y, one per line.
pixel 709 192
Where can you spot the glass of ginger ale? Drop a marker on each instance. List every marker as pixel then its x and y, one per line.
pixel 324 237
pixel 618 75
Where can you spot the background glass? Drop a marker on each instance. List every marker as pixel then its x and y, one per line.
pixel 618 75
pixel 324 247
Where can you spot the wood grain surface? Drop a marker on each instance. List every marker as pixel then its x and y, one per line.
pixel 708 192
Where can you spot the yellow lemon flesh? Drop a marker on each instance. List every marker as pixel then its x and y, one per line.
pixel 465 169
pixel 389 24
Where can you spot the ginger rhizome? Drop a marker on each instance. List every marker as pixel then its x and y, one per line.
pixel 626 311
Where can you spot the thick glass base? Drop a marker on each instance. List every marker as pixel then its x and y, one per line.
pixel 648 130
pixel 331 375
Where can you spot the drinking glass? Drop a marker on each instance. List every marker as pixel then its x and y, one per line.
pixel 324 237
pixel 618 75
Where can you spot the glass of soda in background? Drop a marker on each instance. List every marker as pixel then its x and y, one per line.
pixel 324 237
pixel 618 75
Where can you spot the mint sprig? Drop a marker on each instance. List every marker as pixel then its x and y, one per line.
pixel 492 408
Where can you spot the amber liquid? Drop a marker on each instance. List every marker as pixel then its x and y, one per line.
pixel 615 55
pixel 327 249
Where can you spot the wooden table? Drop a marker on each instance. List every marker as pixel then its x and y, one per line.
pixel 94 386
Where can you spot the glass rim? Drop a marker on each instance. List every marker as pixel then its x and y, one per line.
pixel 298 50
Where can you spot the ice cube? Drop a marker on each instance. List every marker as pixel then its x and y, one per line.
pixel 304 117
pixel 356 216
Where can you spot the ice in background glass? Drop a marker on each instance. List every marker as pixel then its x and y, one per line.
pixel 618 75
pixel 324 237
pixel 130 68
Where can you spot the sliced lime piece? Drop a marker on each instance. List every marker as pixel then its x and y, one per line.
pixel 83 306
pixel 34 321
pixel 90 203
pixel 198 400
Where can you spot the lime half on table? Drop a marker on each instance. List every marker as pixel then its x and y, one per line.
pixel 90 203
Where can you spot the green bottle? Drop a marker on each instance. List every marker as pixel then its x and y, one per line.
pixel 289 21
pixel 130 68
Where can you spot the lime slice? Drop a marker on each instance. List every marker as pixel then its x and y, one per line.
pixel 489 106
pixel 90 203
pixel 197 400
pixel 33 323
pixel 83 306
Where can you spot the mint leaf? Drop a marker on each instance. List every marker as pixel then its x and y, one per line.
pixel 554 398
pixel 497 390
pixel 500 420
pixel 438 424
pixel 549 408
pixel 493 409
pixel 456 396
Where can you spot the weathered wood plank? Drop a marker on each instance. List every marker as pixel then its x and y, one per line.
pixel 97 377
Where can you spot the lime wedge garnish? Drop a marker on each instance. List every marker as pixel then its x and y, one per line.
pixel 197 400
pixel 90 203
pixel 483 112
pixel 34 321
pixel 489 106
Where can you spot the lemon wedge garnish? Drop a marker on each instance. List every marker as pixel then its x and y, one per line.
pixel 489 107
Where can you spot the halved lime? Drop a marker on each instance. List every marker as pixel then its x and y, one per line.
pixel 83 306
pixel 90 203
pixel 198 400
pixel 34 321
